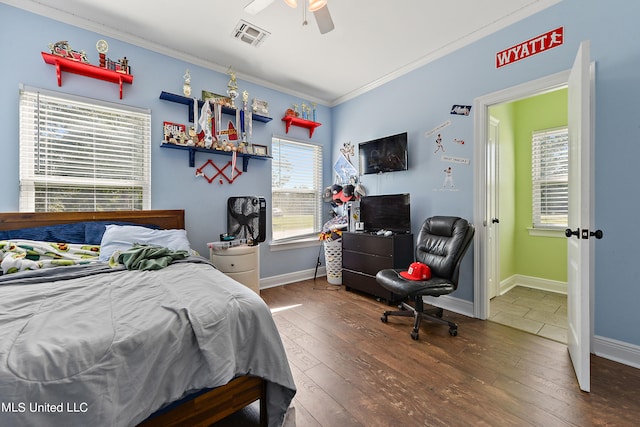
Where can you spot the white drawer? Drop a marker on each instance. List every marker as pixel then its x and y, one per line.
pixel 235 250
pixel 235 263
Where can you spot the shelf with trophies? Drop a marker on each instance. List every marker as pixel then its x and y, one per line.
pixel 292 117
pixel 211 133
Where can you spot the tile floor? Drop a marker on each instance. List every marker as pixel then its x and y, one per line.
pixel 533 310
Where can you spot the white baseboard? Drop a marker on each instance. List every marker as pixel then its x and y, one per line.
pixel 450 303
pixel 618 351
pixel 532 282
pixel 296 276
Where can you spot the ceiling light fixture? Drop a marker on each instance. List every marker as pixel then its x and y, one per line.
pixel 316 5
pixel 313 4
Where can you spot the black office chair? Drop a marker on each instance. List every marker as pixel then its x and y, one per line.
pixel 441 245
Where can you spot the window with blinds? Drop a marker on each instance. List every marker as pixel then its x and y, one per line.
pixel 550 173
pixel 296 189
pixel 78 154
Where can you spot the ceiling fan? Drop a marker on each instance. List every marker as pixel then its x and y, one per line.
pixel 319 8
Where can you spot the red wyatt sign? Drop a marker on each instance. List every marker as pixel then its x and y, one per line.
pixel 531 47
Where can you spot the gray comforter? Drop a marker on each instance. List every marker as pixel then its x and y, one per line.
pixel 103 347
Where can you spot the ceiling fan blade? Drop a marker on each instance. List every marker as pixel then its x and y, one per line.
pixel 323 18
pixel 257 6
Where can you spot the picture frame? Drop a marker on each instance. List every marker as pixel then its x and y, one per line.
pixel 248 149
pixel 225 101
pixel 260 150
pixel 259 106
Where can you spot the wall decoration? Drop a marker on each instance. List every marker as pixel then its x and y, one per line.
pixel 206 123
pixel 448 178
pixel 232 87
pixel 439 146
pixel 216 98
pixel 455 160
pixel 186 87
pixel 63 49
pixel 102 47
pixel 260 150
pixel 461 110
pixel 344 169
pixel 230 131
pixel 220 174
pixel 533 46
pixel 437 128
pixel 259 106
pixel 175 133
pixel 347 150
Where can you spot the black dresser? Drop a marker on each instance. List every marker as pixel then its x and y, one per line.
pixel 364 254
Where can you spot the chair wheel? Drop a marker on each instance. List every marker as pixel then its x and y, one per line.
pixel 414 335
pixel 453 332
pixel 384 318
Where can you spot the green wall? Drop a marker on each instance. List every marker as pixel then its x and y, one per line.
pixel 521 253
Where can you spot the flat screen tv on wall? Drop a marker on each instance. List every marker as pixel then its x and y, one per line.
pixel 388 154
pixel 391 212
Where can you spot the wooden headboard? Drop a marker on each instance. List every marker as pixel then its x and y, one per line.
pixel 162 218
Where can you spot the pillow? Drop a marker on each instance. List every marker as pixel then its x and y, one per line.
pixel 94 230
pixel 122 237
pixel 64 233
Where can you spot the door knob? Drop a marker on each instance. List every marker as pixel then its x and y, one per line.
pixel 570 233
pixel 495 220
pixel 597 234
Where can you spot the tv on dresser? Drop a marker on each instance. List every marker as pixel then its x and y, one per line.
pixel 391 212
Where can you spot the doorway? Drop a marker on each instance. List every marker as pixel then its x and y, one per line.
pixel 486 214
pixel 528 282
pixel 581 235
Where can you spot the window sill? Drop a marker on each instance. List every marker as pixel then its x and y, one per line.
pixel 303 242
pixel 547 232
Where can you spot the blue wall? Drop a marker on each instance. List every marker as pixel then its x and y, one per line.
pixel 174 185
pixel 416 102
pixel 422 99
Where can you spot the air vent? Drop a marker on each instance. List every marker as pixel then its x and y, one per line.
pixel 249 33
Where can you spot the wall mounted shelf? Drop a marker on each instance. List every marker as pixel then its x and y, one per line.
pixel 189 103
pixel 84 69
pixel 192 154
pixel 297 121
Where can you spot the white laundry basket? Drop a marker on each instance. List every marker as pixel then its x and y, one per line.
pixel 333 261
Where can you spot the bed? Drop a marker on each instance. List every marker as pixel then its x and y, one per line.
pixel 97 344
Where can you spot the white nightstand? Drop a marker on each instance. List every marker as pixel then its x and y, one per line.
pixel 241 263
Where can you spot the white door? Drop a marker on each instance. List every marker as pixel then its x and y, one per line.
pixel 493 237
pixel 580 245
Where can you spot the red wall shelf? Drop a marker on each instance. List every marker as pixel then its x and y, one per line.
pixel 297 121
pixel 84 69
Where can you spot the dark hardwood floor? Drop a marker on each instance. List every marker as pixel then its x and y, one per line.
pixel 353 370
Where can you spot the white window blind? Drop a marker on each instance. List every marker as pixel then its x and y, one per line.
pixel 78 154
pixel 550 172
pixel 296 189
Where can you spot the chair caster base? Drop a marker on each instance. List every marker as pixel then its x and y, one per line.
pixel 414 335
pixel 384 318
pixel 453 332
